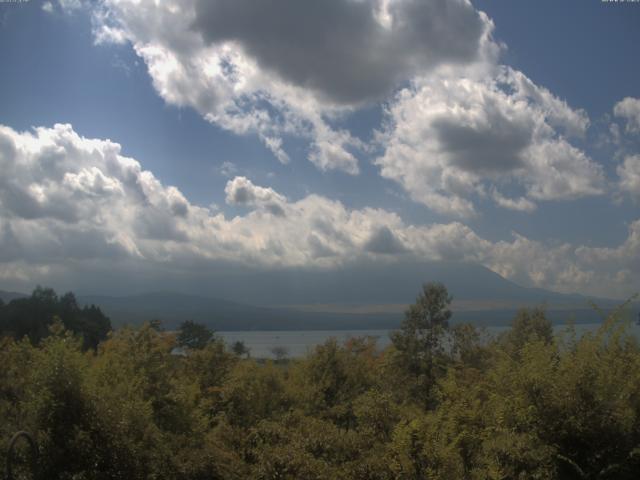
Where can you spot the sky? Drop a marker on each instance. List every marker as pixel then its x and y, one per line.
pixel 149 145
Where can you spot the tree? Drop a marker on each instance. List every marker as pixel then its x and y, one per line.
pixel 469 345
pixel 280 353
pixel 33 315
pixel 239 348
pixel 156 324
pixel 194 335
pixel 528 325
pixel 419 341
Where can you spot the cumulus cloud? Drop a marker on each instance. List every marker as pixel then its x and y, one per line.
pixel 629 110
pixel 463 128
pixel 450 138
pixel 622 263
pixel 284 67
pixel 520 204
pixel 241 191
pixel 384 241
pixel 341 48
pixel 629 175
pixel 71 205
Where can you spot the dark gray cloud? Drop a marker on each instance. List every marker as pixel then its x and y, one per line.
pixel 18 201
pixel 156 224
pixel 340 48
pixel 318 248
pixel 448 138
pixel 495 146
pixel 10 245
pixel 50 242
pixel 180 208
pixel 384 241
pixel 242 196
pixel 275 209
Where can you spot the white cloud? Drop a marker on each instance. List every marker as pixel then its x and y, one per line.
pixel 330 48
pixel 520 204
pixel 291 70
pixel 274 144
pixel 241 191
pixel 556 111
pixel 228 169
pixel 72 205
pixel 629 109
pixel 629 174
pixel 66 6
pixel 453 134
pixel 463 128
pixel 70 4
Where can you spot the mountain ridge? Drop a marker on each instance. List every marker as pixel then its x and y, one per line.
pixel 366 297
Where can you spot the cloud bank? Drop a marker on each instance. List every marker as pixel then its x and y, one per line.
pixel 459 127
pixel 71 204
pixel 284 68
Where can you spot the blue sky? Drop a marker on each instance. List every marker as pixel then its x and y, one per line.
pixel 135 74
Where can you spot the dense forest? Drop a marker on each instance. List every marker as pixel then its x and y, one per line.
pixel 442 402
pixel 33 316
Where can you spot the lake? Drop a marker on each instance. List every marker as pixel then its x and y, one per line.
pixel 300 342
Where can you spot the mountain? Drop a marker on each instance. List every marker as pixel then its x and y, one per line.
pixel 224 315
pixel 174 308
pixel 6 297
pixel 365 297
pixel 379 283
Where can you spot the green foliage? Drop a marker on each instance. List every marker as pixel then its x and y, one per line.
pixel 419 342
pixel 332 378
pixel 527 405
pixel 240 349
pixel 32 317
pixel 469 346
pixel 280 353
pixel 529 325
pixel 252 393
pixel 194 335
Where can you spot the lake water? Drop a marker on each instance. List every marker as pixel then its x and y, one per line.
pixel 299 342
